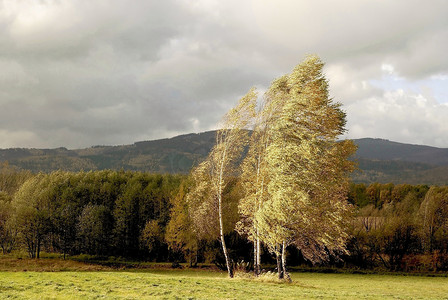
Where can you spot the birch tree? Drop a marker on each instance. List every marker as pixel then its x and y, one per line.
pixel 255 174
pixel 212 176
pixel 307 168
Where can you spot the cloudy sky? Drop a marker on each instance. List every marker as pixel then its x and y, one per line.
pixel 83 73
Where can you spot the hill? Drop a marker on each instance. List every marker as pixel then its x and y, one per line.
pixel 385 161
pixel 174 155
pixel 378 160
pixel 379 149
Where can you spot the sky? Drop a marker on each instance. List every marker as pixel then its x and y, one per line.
pixel 110 72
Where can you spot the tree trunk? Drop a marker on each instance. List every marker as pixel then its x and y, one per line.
pixel 38 249
pixel 196 254
pixel 31 251
pixel 285 274
pixel 255 258
pixel 223 242
pixel 221 223
pixel 279 263
pixel 258 255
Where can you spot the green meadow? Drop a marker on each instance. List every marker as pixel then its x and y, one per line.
pixel 206 284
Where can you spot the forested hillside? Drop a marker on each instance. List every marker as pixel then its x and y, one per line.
pixel 390 162
pixel 378 160
pixel 175 155
pixel 379 149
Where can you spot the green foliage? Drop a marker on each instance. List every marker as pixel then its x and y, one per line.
pixel 95 228
pixel 127 217
pixel 180 236
pixel 11 178
pixel 357 195
pixel 433 214
pixel 403 227
pixel 8 231
pixel 32 205
pixel 101 213
pixel 152 235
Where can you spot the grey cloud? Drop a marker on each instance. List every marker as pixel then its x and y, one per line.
pixel 81 73
pixel 400 116
pixel 65 29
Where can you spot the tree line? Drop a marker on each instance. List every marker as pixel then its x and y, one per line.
pixel 146 216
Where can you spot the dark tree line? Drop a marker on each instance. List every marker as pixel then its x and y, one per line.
pixel 98 213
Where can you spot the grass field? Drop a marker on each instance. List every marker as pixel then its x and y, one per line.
pixel 202 284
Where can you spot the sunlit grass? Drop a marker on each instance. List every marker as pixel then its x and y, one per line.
pixel 200 284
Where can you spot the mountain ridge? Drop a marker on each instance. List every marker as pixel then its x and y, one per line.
pixel 389 150
pixel 379 160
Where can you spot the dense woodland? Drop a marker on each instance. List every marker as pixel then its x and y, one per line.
pixel 144 216
pixel 100 213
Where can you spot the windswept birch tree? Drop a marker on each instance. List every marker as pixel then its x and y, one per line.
pixel 255 173
pixel 307 168
pixel 212 175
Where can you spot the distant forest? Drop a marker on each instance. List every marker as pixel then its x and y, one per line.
pixel 142 216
